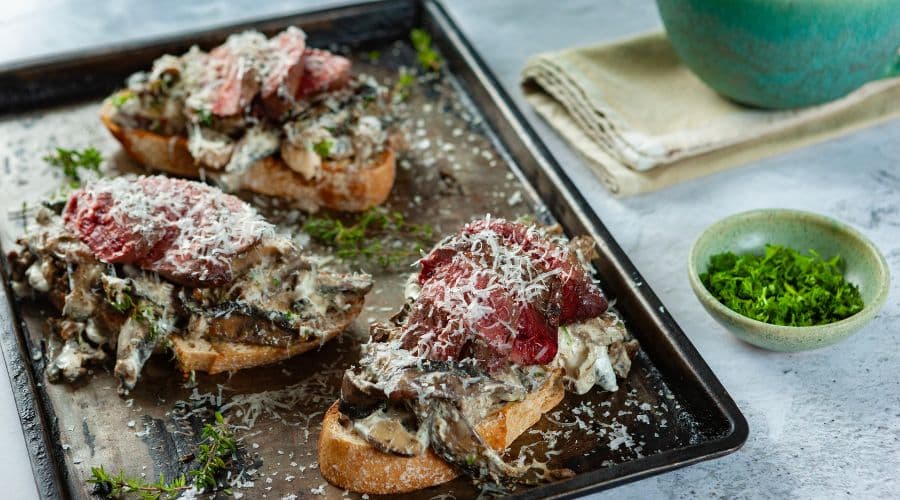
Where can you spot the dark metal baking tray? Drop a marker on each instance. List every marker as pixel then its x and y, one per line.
pixel 677 411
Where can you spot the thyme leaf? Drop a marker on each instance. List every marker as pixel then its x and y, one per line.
pixel 216 450
pixel 120 98
pixel 204 116
pixel 428 58
pixel 323 147
pixel 71 161
pixel 377 235
pixel 403 85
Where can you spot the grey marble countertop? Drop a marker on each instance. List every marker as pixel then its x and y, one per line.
pixel 822 424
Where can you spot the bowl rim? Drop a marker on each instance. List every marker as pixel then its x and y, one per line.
pixel 750 324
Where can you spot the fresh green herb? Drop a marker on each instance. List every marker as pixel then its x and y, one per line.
pixel 146 315
pixel 470 459
pixel 375 55
pixel 428 58
pixel 121 98
pixel 566 333
pixel 403 85
pixel 373 237
pixel 205 117
pixel 121 486
pixel 323 147
pixel 783 286
pixel 217 448
pixel 276 281
pixel 122 303
pixel 71 161
pixel 527 219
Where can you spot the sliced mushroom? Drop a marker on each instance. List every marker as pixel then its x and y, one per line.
pixel 385 430
pixel 301 160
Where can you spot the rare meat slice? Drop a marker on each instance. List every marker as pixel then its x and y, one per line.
pixel 498 291
pixel 232 80
pixel 284 72
pixel 285 63
pixel 581 299
pixel 186 231
pixel 323 71
pixel 280 70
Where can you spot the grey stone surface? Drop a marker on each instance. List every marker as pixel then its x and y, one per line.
pixel 823 424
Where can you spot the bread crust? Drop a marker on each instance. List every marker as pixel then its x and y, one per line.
pixel 347 461
pixel 216 356
pixel 338 188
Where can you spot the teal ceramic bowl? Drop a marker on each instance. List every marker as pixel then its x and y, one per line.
pixel 785 53
pixel 751 231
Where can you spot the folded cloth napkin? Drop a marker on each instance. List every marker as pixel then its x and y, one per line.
pixel 643 121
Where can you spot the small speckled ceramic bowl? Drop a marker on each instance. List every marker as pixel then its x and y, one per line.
pixel 751 231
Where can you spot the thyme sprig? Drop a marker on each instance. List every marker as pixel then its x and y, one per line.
pixel 428 58
pixel 72 161
pixel 403 85
pixel 121 486
pixel 216 450
pixel 218 446
pixel 376 236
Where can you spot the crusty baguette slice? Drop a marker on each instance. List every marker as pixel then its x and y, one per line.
pixel 339 188
pixel 217 356
pixel 348 461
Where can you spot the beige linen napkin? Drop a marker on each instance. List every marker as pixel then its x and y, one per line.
pixel 643 121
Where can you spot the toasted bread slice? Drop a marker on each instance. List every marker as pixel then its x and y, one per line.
pixel 339 188
pixel 217 356
pixel 348 461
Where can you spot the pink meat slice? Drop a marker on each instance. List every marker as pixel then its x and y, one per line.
pixel 581 299
pixel 323 71
pixel 285 63
pixel 183 230
pixel 234 81
pixel 458 278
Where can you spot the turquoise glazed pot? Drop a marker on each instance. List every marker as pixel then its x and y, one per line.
pixel 748 232
pixel 785 53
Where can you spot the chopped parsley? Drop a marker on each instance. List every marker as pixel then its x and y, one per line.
pixel 71 161
pixel 783 286
pixel 375 236
pixel 323 147
pixel 428 58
